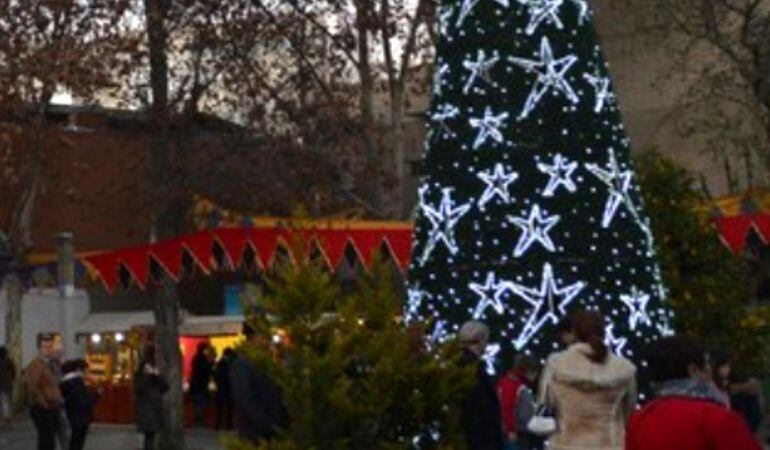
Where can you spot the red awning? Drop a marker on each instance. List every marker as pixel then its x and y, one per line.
pixel 735 230
pixel 332 242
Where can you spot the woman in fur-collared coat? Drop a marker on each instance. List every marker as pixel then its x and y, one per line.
pixel 592 391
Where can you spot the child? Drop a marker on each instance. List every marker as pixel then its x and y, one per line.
pixel 516 400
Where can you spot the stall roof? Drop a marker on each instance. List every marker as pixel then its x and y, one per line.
pixel 211 325
pixel 115 322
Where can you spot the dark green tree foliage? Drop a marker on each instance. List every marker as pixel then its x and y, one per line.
pixel 529 206
pixel 706 282
pixel 353 376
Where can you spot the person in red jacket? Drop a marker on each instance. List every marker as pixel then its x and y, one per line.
pixel 517 405
pixel 687 413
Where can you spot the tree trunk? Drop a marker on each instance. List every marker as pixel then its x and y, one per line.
pixel 169 361
pixel 167 224
pixel 21 238
pixel 374 188
pixel 397 136
pixel 14 292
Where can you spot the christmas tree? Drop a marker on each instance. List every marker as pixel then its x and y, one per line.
pixel 529 207
pixel 352 376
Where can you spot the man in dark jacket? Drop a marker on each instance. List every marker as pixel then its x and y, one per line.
pixel 259 409
pixel 223 400
pixel 199 382
pixel 78 401
pixel 480 415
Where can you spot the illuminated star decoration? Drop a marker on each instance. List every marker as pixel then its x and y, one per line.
pixel 414 301
pixel 618 181
pixel 544 303
pixel 616 344
pixel 637 302
pixel 443 221
pixel 551 73
pixel 602 87
pixel 542 11
pixel 582 7
pixel 438 79
pixel 490 356
pixel 468 5
pixel 497 184
pixel 489 127
pixel 548 11
pixel 479 69
pixel 439 334
pixel 490 293
pixel 444 113
pixel 664 328
pixel 444 15
pixel 561 174
pixel 534 228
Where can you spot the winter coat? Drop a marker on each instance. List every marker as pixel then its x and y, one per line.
pixel 682 423
pixel 222 380
pixel 257 401
pixel 480 413
pixel 42 387
pixel 149 389
pixel 7 374
pixel 592 401
pixel 78 400
pixel 201 374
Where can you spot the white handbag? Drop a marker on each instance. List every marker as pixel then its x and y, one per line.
pixel 543 423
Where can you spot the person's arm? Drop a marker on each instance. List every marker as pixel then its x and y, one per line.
pixel 544 395
pixel 631 398
pixel 525 408
pixel 749 387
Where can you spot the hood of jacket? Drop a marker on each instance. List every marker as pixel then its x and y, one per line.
pixel 573 367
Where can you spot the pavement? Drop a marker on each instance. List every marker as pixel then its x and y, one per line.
pixel 21 436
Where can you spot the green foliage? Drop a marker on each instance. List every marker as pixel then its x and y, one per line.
pixel 705 281
pixel 353 376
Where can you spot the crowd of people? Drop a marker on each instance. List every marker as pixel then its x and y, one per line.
pixel 245 396
pixel 586 397
pixel 61 404
pixel 590 396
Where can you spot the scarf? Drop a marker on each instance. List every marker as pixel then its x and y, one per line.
pixel 72 376
pixel 692 388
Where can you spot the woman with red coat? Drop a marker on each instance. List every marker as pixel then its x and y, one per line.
pixel 687 413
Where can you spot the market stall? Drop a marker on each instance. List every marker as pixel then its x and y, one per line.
pixel 114 352
pixel 112 345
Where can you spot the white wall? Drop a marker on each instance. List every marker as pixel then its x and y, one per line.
pixel 43 311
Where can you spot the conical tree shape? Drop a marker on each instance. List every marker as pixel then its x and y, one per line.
pixel 529 207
